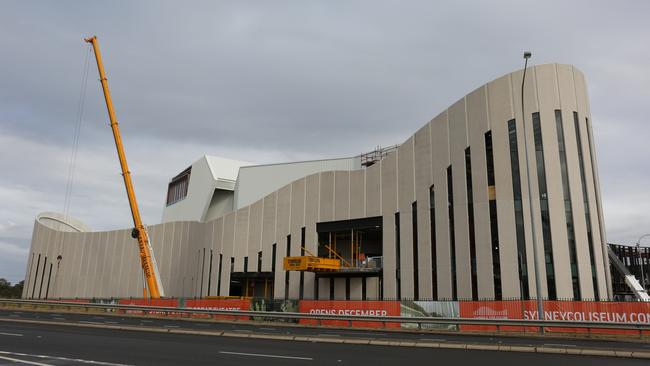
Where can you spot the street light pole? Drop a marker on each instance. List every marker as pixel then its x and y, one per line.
pixel 538 281
pixel 638 250
pixel 56 276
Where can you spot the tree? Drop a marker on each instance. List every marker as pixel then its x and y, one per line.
pixel 18 289
pixel 9 291
pixel 5 287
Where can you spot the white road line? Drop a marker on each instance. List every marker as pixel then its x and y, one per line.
pixel 267 328
pixel 14 315
pixel 263 355
pixel 11 334
pixel 86 322
pixel 559 344
pixel 59 318
pixel 77 360
pixel 23 361
pixel 171 326
pixel 361 333
pixel 242 330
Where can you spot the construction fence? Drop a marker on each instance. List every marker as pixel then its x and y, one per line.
pixel 596 311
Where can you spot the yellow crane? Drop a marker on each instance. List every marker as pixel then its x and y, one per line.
pixel 149 267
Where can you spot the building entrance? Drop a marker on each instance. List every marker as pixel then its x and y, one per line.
pixel 357 243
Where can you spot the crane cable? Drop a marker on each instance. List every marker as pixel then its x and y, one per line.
pixel 72 162
pixel 75 135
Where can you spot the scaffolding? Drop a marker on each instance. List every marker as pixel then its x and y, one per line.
pixel 370 158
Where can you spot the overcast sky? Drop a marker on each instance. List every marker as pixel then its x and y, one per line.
pixel 273 81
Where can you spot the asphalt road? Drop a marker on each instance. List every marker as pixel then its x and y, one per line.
pixel 37 344
pixel 285 329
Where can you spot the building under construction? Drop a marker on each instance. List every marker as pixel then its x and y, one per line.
pixel 443 215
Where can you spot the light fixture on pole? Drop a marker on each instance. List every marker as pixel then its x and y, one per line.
pixel 638 251
pixel 538 283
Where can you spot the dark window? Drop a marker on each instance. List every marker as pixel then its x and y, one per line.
pixel 38 265
pixel 432 223
pixel 585 200
pixel 494 224
pixel 568 208
pixel 397 257
pixel 245 264
pixel 543 203
pixel 470 221
pixel 416 285
pixel 518 207
pixel 49 278
pixel 40 288
pixel 273 254
pixel 286 273
pixel 302 253
pixel 177 189
pixel 347 288
pixel 259 261
pixel 452 235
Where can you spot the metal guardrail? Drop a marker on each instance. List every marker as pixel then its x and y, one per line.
pixel 266 315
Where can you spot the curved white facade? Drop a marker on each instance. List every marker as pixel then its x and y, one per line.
pixel 462 177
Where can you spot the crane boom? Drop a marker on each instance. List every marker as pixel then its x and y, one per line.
pixel 147 259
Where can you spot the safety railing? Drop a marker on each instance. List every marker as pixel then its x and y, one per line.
pixel 643 329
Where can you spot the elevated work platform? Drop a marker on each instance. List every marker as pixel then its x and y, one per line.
pixel 328 267
pixel 311 264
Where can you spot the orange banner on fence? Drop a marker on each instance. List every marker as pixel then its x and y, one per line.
pixel 590 311
pixel 353 308
pixel 150 302
pixel 226 304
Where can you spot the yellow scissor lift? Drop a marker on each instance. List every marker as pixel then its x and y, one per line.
pixel 312 263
